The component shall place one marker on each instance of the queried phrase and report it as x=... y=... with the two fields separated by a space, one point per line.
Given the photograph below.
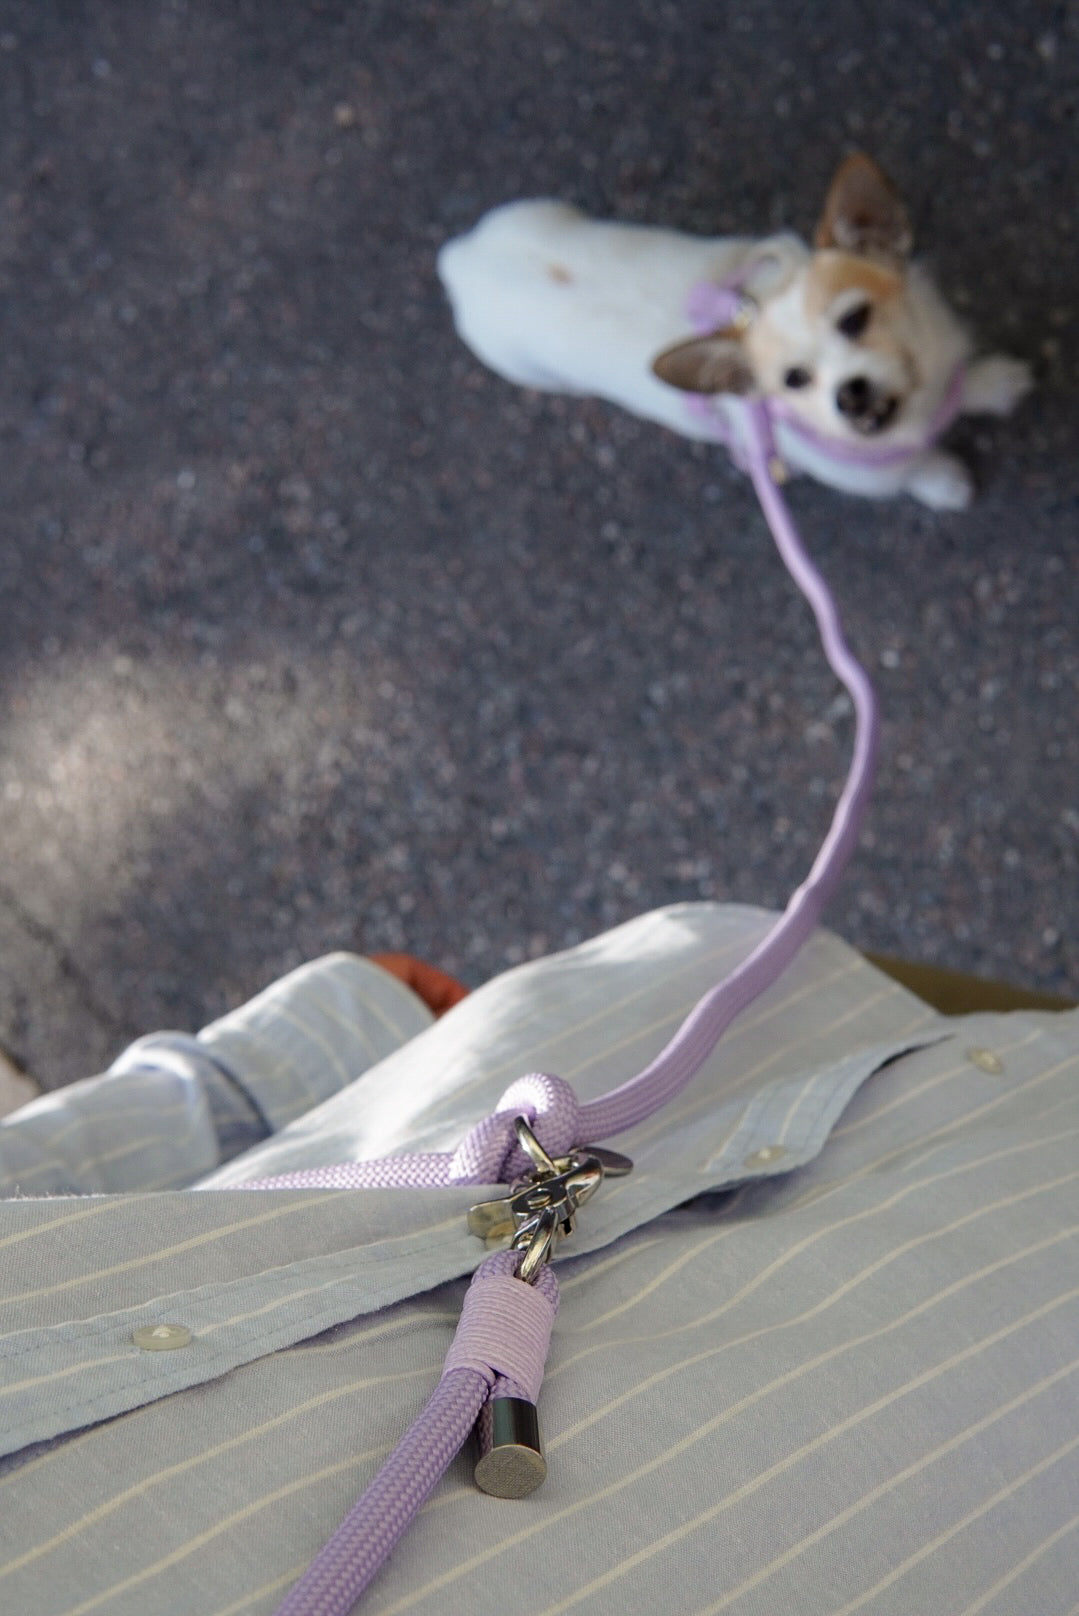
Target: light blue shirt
x=817 y=1353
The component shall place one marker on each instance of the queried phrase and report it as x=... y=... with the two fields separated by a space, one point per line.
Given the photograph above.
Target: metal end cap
x=511 y=1462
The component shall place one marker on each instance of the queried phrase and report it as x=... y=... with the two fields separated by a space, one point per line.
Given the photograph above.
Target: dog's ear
x=864 y=214
x=712 y=364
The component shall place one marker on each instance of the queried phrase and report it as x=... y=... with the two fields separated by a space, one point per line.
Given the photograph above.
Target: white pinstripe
x=872 y=1497
x=990 y=1503
x=551 y=1519
x=1017 y=1570
x=748 y=1488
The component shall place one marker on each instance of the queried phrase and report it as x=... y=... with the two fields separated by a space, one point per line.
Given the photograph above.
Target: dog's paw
x=994 y=386
x=941 y=482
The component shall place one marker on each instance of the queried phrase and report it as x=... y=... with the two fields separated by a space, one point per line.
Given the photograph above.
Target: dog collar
x=715 y=306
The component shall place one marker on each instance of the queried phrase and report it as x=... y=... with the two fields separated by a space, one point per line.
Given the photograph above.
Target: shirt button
x=985 y=1061
x=766 y=1154
x=161 y=1337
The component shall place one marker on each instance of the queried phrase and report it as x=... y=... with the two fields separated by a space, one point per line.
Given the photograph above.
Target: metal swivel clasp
x=539 y=1210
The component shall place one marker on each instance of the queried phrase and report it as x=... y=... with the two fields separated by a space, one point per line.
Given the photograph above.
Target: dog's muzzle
x=868 y=409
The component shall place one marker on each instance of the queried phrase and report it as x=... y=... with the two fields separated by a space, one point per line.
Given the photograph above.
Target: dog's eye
x=797 y=376
x=854 y=322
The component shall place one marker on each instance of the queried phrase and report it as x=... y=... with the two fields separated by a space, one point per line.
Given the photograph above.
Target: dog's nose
x=866 y=407
x=854 y=396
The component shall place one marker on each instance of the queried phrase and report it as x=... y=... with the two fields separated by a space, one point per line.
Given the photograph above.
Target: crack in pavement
x=66 y=967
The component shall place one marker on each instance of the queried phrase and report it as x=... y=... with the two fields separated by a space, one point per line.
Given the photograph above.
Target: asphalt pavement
x=316 y=635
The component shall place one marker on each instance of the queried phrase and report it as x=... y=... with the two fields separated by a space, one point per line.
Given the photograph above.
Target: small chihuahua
x=862 y=362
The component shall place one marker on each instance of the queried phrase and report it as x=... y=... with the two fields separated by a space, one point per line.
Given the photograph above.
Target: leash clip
x=541 y=1208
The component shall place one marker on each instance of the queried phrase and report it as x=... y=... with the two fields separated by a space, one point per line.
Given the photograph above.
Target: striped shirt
x=818 y=1353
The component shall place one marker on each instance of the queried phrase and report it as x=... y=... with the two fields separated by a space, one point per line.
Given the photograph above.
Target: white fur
x=551 y=299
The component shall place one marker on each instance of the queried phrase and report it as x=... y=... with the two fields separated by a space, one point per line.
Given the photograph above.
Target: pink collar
x=710 y=307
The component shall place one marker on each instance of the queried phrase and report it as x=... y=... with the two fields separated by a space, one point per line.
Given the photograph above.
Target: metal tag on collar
x=745 y=312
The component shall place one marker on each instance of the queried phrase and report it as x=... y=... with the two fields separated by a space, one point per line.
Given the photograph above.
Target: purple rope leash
x=488 y=1154
x=501 y=1329
x=344 y=1566
x=501 y=1343
x=675 y=1065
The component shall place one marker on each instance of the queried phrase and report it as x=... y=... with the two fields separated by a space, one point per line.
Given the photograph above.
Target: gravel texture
x=317 y=635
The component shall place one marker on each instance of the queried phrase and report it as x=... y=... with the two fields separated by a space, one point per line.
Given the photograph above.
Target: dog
x=862 y=363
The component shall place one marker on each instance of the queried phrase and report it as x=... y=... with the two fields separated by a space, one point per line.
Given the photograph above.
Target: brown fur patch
x=715 y=364
x=832 y=273
x=863 y=212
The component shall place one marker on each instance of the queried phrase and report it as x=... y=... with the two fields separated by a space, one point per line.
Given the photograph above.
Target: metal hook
x=533 y=1149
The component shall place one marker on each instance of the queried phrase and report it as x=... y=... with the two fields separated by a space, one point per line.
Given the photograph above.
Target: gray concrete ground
x=317 y=635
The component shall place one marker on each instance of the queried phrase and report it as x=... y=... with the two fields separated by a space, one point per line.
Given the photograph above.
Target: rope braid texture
x=483 y=1359
x=344 y=1567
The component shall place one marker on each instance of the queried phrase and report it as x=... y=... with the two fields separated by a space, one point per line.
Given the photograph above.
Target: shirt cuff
x=173 y=1107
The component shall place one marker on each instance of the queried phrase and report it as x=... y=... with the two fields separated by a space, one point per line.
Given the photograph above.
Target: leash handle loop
x=499 y=1337
x=500 y=1344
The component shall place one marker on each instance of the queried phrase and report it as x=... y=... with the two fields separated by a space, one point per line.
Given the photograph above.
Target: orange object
x=439 y=991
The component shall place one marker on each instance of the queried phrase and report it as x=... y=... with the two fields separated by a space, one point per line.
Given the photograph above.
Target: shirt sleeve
x=174 y=1107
